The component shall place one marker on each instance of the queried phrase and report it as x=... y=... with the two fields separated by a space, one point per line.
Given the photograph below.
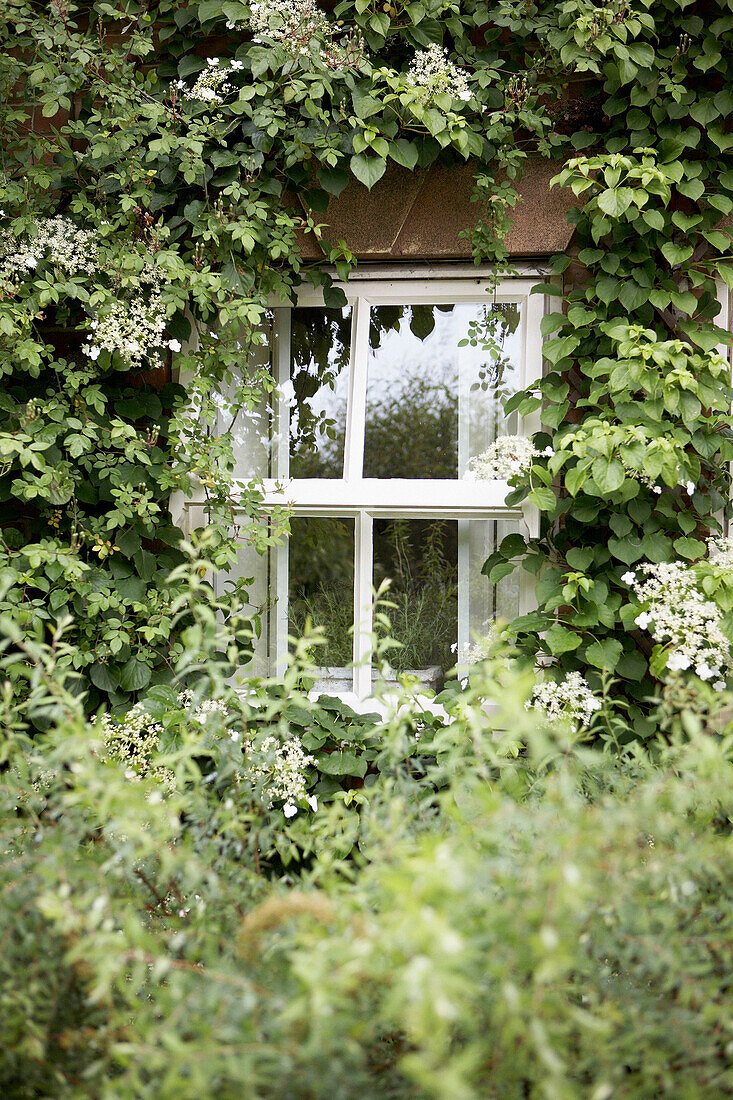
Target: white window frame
x=364 y=499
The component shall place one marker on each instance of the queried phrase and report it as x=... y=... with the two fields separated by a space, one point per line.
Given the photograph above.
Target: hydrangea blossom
x=204 y=709
x=131 y=327
x=212 y=84
x=58 y=240
x=282 y=766
x=295 y=24
x=432 y=73
x=570 y=700
x=678 y=615
x=133 y=740
x=509 y=456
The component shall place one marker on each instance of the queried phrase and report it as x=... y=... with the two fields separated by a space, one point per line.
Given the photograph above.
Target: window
x=383 y=404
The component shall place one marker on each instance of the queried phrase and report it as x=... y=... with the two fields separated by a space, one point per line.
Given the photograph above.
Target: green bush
x=467 y=913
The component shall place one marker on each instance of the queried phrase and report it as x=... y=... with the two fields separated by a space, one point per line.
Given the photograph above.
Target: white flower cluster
x=212 y=85
x=509 y=456
x=676 y=613
x=432 y=73
x=294 y=24
x=204 y=709
x=58 y=240
x=133 y=327
x=284 y=773
x=720 y=552
x=571 y=699
x=134 y=739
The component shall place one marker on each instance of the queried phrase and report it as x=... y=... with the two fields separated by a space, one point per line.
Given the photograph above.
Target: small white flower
x=629 y=577
x=312 y=802
x=690 y=486
x=94 y=352
x=174 y=345
x=465 y=95
x=289 y=809
x=231 y=26
x=642 y=620
x=235 y=735
x=677 y=662
x=704 y=671
x=548 y=452
x=719 y=685
x=236 y=65
x=656 y=489
x=211 y=61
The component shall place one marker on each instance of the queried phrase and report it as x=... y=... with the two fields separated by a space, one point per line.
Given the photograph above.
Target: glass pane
x=431 y=404
x=320 y=343
x=421 y=559
x=481 y=601
x=321 y=584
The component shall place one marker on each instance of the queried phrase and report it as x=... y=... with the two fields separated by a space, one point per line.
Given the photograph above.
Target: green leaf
x=368 y=170
x=615 y=201
x=676 y=254
x=689 y=548
x=609 y=475
x=561 y=640
x=342 y=763
x=604 y=655
x=403 y=152
x=333 y=180
x=134 y=675
x=103 y=678
x=543 y=498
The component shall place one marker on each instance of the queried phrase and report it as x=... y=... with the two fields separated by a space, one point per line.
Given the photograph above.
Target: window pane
x=321 y=584
x=481 y=601
x=320 y=343
x=432 y=405
x=421 y=559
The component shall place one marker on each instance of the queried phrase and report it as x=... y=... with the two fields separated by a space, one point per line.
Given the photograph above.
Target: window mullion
x=363 y=604
x=356 y=411
x=281 y=435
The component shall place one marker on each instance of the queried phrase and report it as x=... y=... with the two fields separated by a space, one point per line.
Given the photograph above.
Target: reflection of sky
x=403 y=358
x=438 y=357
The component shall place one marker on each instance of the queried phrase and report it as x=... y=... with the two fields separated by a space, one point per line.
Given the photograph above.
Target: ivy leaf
x=368 y=170
x=605 y=654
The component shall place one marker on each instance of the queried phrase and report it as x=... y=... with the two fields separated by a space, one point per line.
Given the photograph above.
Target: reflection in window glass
x=420 y=557
x=432 y=404
x=321 y=584
x=320 y=343
x=483 y=602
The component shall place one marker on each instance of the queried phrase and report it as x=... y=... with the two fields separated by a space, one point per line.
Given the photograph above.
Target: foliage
x=467 y=922
x=153 y=154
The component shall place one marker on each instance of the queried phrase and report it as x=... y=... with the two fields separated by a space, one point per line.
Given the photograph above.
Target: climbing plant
x=161 y=164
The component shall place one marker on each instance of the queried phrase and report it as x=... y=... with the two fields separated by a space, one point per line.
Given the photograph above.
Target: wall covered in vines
x=151 y=156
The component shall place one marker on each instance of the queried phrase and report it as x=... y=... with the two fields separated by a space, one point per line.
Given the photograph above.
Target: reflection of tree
x=420 y=558
x=320 y=343
x=321 y=582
